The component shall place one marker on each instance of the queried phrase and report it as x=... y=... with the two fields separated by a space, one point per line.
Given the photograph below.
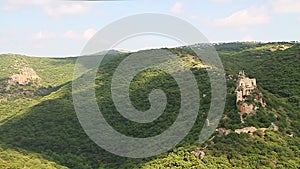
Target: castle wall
x=239 y=96
x=247 y=83
x=245 y=86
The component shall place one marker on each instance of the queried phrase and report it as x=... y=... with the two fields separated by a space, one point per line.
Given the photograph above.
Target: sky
x=62 y=28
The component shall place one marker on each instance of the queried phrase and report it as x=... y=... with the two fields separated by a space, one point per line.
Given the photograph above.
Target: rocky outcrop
x=249 y=130
x=26 y=76
x=274 y=127
x=223 y=131
x=23 y=81
x=199 y=153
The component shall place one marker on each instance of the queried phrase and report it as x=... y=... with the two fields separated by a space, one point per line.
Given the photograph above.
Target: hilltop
x=39 y=127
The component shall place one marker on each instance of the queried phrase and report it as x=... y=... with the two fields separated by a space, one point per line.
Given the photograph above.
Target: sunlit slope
x=44 y=130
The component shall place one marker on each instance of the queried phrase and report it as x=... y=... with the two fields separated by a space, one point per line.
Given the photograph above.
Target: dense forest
x=39 y=127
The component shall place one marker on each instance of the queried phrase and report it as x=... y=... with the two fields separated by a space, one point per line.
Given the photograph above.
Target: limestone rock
x=223 y=131
x=199 y=154
x=274 y=127
x=249 y=130
x=24 y=77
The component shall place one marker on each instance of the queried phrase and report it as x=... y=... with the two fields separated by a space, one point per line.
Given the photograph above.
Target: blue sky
x=62 y=28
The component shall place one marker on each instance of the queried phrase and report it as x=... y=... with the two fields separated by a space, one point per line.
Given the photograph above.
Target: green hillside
x=39 y=127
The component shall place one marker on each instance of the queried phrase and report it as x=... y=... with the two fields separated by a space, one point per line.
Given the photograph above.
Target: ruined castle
x=245 y=87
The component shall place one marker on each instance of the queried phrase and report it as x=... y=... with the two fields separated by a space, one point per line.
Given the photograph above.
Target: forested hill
x=39 y=127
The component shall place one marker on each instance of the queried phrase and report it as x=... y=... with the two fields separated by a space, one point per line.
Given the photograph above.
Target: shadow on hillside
x=61 y=61
x=51 y=129
x=3 y=81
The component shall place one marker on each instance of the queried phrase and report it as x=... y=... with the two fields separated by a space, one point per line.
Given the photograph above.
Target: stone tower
x=245 y=86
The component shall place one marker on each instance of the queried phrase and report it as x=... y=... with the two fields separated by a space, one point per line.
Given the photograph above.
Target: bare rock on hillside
x=26 y=75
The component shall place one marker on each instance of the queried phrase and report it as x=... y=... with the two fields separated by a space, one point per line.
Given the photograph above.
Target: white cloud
x=193 y=17
x=44 y=35
x=177 y=8
x=89 y=33
x=67 y=9
x=246 y=17
x=50 y=8
x=285 y=6
x=28 y=2
x=222 y=1
x=72 y=35
x=16 y=4
x=86 y=35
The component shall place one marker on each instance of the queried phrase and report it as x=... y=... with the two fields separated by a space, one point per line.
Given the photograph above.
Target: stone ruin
x=245 y=87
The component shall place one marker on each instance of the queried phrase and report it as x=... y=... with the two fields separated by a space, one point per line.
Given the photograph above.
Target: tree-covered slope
x=42 y=130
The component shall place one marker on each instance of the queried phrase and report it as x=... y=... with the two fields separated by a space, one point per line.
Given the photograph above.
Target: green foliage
x=43 y=131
